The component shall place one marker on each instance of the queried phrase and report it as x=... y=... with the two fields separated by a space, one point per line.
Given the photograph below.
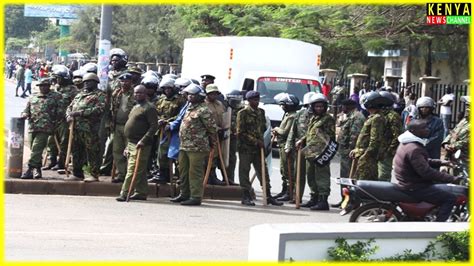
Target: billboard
x=53 y=11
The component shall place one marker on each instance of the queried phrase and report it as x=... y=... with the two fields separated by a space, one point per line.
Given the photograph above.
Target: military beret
x=125 y=76
x=211 y=88
x=135 y=69
x=207 y=76
x=252 y=94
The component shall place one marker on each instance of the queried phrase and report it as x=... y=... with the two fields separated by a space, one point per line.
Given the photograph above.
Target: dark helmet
x=120 y=53
x=90 y=68
x=234 y=98
x=289 y=100
x=389 y=96
x=373 y=99
x=90 y=76
x=61 y=71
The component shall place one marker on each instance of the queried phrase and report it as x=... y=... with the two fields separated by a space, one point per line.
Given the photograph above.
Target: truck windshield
x=271 y=86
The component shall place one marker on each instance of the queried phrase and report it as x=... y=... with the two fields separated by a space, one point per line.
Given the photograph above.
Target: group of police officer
x=143 y=124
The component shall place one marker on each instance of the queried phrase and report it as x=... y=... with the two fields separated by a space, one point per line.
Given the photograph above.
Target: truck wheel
x=375 y=212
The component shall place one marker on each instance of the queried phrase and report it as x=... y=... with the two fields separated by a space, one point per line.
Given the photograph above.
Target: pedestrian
x=458 y=139
x=393 y=129
x=319 y=148
x=251 y=125
x=217 y=109
x=445 y=109
x=43 y=111
x=168 y=106
x=20 y=78
x=290 y=104
x=197 y=135
x=63 y=78
x=368 y=145
x=43 y=71
x=28 y=81
x=122 y=103
x=426 y=107
x=297 y=132
x=86 y=110
x=141 y=125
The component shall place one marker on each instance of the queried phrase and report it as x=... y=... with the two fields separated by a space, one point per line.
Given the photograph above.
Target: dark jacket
x=412 y=167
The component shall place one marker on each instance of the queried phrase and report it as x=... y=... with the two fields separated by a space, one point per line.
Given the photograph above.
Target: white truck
x=265 y=64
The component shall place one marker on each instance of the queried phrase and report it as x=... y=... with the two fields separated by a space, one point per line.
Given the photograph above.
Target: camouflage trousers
x=141 y=184
x=86 y=149
x=119 y=145
x=163 y=160
x=246 y=159
x=366 y=168
x=385 y=168
x=346 y=163
x=191 y=171
x=62 y=136
x=38 y=141
x=319 y=179
x=286 y=161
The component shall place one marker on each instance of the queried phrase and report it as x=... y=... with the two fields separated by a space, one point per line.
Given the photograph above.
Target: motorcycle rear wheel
x=375 y=212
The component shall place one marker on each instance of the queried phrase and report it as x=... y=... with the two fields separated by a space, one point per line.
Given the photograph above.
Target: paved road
x=70 y=228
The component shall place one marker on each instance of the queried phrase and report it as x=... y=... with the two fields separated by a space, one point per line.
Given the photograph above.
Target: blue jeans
x=446 y=124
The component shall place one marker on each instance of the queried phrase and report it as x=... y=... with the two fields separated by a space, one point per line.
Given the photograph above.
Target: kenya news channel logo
x=448 y=13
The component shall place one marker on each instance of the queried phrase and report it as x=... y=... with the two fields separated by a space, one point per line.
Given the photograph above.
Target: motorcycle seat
x=384 y=191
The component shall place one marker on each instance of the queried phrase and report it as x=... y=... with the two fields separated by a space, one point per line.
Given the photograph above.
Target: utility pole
x=104 y=45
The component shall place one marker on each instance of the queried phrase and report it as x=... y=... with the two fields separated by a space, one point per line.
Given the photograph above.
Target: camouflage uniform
x=86 y=129
x=393 y=129
x=282 y=133
x=347 y=138
x=336 y=95
x=141 y=126
x=168 y=109
x=217 y=109
x=119 y=116
x=459 y=140
x=44 y=113
x=196 y=130
x=368 y=147
x=251 y=125
x=297 y=132
x=233 y=144
x=68 y=92
x=320 y=130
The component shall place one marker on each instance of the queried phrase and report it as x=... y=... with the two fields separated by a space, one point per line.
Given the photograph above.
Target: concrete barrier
x=310 y=241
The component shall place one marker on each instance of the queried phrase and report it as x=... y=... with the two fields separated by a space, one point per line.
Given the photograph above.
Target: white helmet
x=307 y=97
x=318 y=97
x=167 y=82
x=425 y=102
x=182 y=82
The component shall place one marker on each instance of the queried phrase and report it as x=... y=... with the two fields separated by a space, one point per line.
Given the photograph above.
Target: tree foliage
x=19 y=26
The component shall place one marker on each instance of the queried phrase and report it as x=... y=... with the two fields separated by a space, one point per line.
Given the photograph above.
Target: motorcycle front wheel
x=375 y=213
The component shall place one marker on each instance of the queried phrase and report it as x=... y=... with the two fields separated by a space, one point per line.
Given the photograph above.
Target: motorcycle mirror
x=457 y=154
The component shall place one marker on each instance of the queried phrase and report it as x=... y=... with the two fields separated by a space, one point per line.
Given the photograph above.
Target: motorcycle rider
x=413 y=170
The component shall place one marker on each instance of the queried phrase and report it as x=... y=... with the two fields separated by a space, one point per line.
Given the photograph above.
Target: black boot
x=322 y=204
x=28 y=174
x=59 y=165
x=285 y=197
x=37 y=173
x=273 y=201
x=284 y=190
x=164 y=176
x=213 y=180
x=52 y=163
x=247 y=199
x=310 y=203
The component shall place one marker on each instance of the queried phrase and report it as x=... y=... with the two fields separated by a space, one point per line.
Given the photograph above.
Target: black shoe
x=191 y=202
x=337 y=205
x=320 y=206
x=78 y=174
x=104 y=172
x=310 y=203
x=28 y=174
x=247 y=201
x=285 y=197
x=121 y=198
x=179 y=198
x=137 y=196
x=284 y=190
x=154 y=179
x=52 y=163
x=37 y=173
x=23 y=96
x=274 y=202
x=232 y=183
x=59 y=166
x=116 y=181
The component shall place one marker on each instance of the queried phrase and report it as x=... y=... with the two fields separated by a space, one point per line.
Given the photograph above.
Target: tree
x=19 y=26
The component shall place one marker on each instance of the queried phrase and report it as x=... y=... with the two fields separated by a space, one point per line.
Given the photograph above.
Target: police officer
x=151 y=83
x=139 y=130
x=234 y=101
x=197 y=135
x=68 y=91
x=206 y=80
x=290 y=104
x=297 y=132
x=426 y=107
x=368 y=146
x=251 y=125
x=122 y=102
x=44 y=112
x=458 y=138
x=86 y=110
x=168 y=107
x=118 y=63
x=320 y=133
x=393 y=129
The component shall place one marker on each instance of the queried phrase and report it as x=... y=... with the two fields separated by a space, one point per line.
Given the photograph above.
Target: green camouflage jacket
x=320 y=131
x=168 y=108
x=298 y=128
x=92 y=106
x=393 y=129
x=197 y=128
x=44 y=112
x=350 y=129
x=459 y=139
x=285 y=126
x=371 y=137
x=251 y=125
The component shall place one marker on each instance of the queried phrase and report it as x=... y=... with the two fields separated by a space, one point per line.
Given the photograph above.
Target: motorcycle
x=380 y=201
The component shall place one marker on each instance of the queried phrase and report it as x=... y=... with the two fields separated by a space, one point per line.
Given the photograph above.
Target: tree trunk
x=408 y=71
x=429 y=59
